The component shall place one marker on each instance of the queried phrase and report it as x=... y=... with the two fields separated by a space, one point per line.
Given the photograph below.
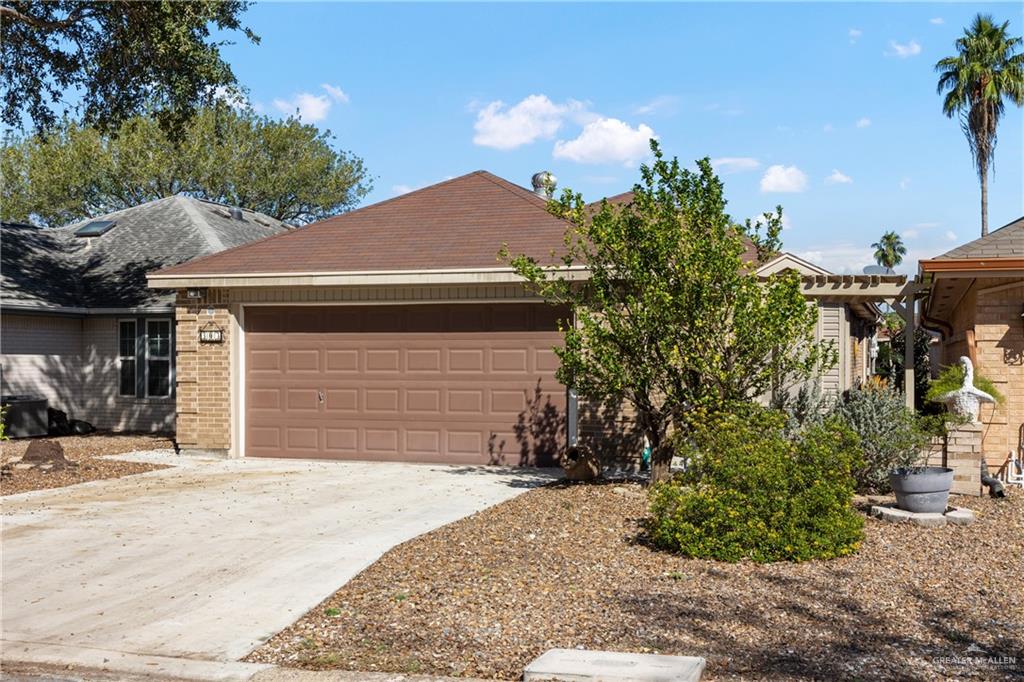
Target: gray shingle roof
x=52 y=268
x=1006 y=242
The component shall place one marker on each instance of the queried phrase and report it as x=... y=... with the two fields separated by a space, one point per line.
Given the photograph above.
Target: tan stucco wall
x=993 y=311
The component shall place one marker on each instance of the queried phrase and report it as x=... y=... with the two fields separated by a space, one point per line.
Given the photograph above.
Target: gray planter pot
x=922 y=490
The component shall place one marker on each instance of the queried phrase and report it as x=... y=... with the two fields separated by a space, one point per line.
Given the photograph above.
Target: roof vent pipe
x=544 y=184
x=236 y=213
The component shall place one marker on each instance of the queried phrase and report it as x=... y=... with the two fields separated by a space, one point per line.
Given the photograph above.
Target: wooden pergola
x=895 y=290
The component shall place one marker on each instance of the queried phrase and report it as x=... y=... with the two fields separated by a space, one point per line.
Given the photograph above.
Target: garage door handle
x=320 y=396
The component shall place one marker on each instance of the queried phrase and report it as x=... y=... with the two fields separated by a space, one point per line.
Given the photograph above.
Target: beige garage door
x=459 y=383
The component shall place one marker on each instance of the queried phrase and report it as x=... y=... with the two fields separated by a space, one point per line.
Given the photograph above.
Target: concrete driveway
x=210 y=558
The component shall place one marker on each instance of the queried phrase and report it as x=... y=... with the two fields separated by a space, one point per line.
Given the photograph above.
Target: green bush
x=952 y=377
x=750 y=492
x=891 y=436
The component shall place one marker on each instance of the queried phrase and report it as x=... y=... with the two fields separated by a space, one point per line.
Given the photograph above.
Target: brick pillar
x=203 y=376
x=963 y=456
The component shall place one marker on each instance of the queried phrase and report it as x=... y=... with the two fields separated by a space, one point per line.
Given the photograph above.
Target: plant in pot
x=925 y=489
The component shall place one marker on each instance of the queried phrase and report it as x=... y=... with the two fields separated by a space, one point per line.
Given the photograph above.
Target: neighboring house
x=394 y=332
x=78 y=324
x=976 y=304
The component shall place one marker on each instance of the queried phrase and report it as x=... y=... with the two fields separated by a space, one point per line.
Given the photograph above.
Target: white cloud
x=950 y=235
x=838 y=178
x=231 y=96
x=904 y=183
x=662 y=104
x=903 y=50
x=779 y=178
x=336 y=93
x=402 y=189
x=863 y=122
x=311 y=108
x=827 y=128
x=938 y=21
x=855 y=34
x=911 y=233
x=500 y=126
x=607 y=140
x=787 y=223
x=735 y=164
x=842 y=258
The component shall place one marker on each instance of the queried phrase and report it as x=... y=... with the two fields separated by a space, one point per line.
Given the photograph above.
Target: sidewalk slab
x=580 y=665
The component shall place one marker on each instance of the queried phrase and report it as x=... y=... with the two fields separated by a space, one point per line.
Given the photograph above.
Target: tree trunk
x=984 y=203
x=661 y=463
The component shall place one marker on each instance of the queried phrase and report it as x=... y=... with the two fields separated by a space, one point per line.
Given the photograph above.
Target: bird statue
x=966 y=401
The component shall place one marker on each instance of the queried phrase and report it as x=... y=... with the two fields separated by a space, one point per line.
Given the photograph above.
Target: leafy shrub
x=952 y=377
x=890 y=434
x=752 y=493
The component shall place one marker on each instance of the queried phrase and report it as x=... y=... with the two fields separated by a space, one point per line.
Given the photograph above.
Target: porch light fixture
x=195 y=293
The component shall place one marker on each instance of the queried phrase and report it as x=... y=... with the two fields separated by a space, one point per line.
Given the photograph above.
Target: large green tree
x=286 y=169
x=986 y=71
x=672 y=319
x=110 y=60
x=889 y=250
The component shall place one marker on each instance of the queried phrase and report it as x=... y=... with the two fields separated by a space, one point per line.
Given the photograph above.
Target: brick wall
x=203 y=375
x=993 y=311
x=961 y=450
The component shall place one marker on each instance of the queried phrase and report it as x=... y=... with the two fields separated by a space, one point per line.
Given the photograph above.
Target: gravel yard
x=561 y=566
x=88 y=452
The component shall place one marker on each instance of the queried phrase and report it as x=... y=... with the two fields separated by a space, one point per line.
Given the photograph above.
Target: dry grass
x=561 y=567
x=87 y=452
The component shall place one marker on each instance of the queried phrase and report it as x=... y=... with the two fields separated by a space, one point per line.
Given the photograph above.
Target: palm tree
x=985 y=71
x=889 y=250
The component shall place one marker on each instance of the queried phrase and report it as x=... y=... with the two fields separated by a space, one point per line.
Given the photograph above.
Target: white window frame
x=169 y=357
x=134 y=356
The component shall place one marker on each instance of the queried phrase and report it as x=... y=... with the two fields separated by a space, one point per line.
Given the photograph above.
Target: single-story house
x=79 y=325
x=976 y=304
x=393 y=332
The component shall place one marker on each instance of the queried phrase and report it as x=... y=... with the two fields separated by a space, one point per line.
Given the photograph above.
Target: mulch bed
x=84 y=451
x=562 y=566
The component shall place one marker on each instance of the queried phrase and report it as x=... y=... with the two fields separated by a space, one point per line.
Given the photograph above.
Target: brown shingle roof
x=1006 y=242
x=460 y=223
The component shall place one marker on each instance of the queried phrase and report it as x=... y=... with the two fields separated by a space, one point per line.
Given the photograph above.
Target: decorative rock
x=960 y=516
x=891 y=514
x=581 y=464
x=577 y=665
x=927 y=520
x=955 y=515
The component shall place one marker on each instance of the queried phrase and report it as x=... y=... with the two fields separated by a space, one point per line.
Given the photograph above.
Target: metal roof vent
x=236 y=213
x=544 y=184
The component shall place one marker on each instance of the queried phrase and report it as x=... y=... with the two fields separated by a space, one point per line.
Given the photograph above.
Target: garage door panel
x=433 y=383
x=339 y=402
x=383 y=360
x=342 y=440
x=423 y=402
x=377 y=440
x=342 y=360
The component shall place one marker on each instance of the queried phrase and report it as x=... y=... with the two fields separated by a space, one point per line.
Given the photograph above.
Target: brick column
x=963 y=456
x=203 y=376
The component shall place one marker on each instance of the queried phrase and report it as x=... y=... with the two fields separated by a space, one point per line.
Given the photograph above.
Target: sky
x=827 y=109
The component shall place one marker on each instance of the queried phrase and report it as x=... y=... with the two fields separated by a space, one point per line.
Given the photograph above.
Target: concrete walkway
x=209 y=559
